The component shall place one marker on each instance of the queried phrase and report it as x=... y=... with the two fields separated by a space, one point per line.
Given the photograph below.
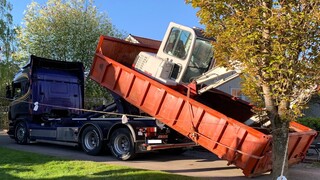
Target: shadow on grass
x=25 y=165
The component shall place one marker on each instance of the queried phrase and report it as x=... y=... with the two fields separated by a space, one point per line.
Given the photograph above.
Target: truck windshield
x=200 y=61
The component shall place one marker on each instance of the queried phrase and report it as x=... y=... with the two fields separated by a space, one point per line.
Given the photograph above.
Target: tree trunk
x=279 y=148
x=280 y=132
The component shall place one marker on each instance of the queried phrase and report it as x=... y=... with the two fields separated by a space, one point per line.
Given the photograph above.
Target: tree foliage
x=277 y=45
x=7 y=45
x=277 y=42
x=7 y=33
x=66 y=30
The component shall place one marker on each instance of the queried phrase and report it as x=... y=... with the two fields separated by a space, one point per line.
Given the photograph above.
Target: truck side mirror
x=8 y=92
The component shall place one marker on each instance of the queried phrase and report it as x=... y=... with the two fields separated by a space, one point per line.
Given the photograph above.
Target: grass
x=25 y=165
x=316 y=164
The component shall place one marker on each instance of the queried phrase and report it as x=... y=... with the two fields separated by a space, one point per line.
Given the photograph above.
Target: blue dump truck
x=47 y=106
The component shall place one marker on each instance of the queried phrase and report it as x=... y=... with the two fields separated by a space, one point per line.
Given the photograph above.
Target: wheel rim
x=122 y=144
x=91 y=140
x=21 y=133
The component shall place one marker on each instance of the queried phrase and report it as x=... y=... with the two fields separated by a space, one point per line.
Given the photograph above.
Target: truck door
x=20 y=94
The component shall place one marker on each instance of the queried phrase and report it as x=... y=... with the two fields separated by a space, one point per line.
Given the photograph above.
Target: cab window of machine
x=200 y=62
x=20 y=88
x=178 y=43
x=202 y=54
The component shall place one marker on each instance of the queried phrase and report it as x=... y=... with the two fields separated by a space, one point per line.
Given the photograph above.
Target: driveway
x=191 y=163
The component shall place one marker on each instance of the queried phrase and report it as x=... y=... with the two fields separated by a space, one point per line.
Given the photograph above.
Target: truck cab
x=184 y=54
x=45 y=89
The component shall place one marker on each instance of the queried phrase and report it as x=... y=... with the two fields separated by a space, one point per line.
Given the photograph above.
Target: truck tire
x=91 y=141
x=121 y=144
x=21 y=133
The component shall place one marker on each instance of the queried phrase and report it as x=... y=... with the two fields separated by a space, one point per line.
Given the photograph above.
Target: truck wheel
x=121 y=144
x=91 y=141
x=21 y=133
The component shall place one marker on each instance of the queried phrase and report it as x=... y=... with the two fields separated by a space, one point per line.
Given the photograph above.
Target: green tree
x=7 y=45
x=7 y=32
x=277 y=45
x=65 y=30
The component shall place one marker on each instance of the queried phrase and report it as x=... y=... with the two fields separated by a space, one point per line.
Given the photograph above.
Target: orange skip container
x=215 y=121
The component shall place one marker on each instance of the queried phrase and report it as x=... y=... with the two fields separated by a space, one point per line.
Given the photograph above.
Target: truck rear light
x=141 y=132
x=151 y=131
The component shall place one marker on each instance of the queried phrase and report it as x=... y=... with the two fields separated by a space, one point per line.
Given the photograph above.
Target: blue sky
x=145 y=18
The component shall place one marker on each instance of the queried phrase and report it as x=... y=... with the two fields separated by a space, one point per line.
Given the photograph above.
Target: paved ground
x=191 y=163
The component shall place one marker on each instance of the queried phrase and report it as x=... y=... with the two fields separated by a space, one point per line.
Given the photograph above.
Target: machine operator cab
x=184 y=55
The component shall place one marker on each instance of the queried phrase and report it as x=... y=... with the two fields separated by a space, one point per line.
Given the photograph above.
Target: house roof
x=145 y=41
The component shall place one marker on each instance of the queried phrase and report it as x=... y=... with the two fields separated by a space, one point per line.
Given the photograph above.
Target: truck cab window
x=16 y=90
x=20 y=88
x=178 y=43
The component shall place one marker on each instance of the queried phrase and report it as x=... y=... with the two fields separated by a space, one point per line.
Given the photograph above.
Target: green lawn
x=24 y=165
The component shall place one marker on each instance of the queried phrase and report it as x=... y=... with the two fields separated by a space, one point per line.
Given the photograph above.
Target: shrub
x=311 y=122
